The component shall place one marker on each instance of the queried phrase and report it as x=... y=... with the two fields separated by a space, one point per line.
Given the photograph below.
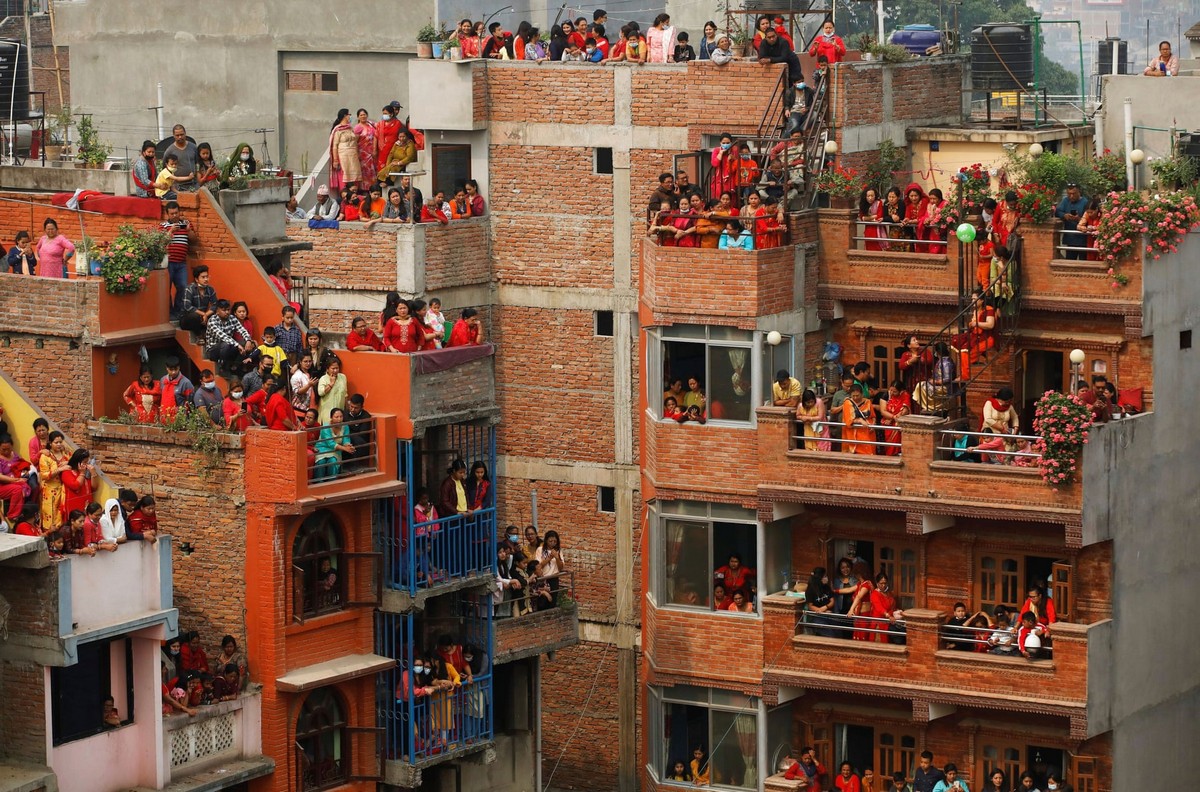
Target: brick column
x=780 y=615
x=922 y=626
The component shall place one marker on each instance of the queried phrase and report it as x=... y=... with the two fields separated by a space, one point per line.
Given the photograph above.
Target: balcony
x=915 y=480
x=520 y=635
x=922 y=665
x=222 y=741
x=679 y=284
x=849 y=271
x=83 y=598
x=279 y=469
x=702 y=644
x=426 y=389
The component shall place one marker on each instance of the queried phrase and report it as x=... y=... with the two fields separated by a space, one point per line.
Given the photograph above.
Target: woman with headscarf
x=344 y=165
x=241 y=163
x=112 y=522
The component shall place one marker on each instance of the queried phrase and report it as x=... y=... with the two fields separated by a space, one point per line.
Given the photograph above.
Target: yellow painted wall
x=953 y=155
x=20 y=412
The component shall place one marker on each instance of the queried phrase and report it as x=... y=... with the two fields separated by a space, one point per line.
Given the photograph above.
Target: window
x=607 y=499
x=1185 y=339
x=604 y=323
x=885 y=364
x=318 y=585
x=723 y=724
x=895 y=751
x=695 y=549
x=898 y=560
x=320 y=82
x=322 y=747
x=1003 y=757
x=1004 y=580
x=716 y=360
x=602 y=160
x=105 y=668
x=451 y=167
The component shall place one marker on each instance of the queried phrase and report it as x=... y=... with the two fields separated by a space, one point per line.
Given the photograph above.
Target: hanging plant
x=1061 y=422
x=1133 y=219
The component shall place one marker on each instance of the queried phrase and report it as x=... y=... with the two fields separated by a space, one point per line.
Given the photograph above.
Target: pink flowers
x=1157 y=223
x=1062 y=421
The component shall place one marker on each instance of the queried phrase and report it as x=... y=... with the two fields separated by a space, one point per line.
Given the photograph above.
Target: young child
x=683 y=50
x=112 y=718
x=1003 y=636
x=671 y=409
x=22 y=260
x=164 y=185
x=1030 y=629
x=734 y=237
x=693 y=414
x=436 y=321
x=270 y=347
x=573 y=54
x=208 y=694
x=679 y=773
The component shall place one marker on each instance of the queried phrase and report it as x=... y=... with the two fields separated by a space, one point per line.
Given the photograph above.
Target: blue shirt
x=1066 y=206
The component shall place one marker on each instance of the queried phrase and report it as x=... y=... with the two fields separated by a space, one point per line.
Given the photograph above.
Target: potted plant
x=58 y=129
x=130 y=258
x=842 y=185
x=741 y=42
x=865 y=42
x=92 y=150
x=426 y=37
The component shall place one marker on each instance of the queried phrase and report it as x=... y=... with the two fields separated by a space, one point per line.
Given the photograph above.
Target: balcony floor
x=223 y=776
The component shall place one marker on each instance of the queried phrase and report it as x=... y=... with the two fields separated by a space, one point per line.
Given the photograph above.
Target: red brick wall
x=23 y=727
x=558 y=94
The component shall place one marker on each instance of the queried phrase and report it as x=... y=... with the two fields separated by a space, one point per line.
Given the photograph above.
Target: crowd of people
x=191 y=680
x=581 y=40
x=443 y=684
x=926 y=777
x=529 y=572
x=186 y=166
x=49 y=494
x=405 y=204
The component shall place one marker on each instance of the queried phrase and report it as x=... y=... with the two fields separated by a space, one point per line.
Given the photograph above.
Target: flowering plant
x=976 y=185
x=1110 y=167
x=125 y=267
x=1035 y=202
x=944 y=218
x=1130 y=219
x=1061 y=420
x=840 y=182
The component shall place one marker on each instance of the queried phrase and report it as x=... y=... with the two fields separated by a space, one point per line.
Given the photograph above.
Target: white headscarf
x=112 y=531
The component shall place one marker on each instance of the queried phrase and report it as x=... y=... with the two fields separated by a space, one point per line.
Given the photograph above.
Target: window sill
x=1016 y=663
x=708 y=611
x=711 y=422
x=322 y=621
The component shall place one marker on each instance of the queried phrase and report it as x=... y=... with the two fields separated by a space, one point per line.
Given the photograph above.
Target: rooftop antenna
x=266 y=151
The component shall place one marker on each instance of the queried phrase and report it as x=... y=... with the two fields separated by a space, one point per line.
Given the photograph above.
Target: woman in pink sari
x=870 y=212
x=368 y=148
x=344 y=166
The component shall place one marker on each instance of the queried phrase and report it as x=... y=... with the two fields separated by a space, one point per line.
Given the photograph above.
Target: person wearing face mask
x=234 y=410
x=828 y=44
x=1054 y=783
x=387 y=130
x=818 y=603
x=797 y=99
x=724 y=162
x=208 y=396
x=173 y=660
x=144 y=171
x=241 y=163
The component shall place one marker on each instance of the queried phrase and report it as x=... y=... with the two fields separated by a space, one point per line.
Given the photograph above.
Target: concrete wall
x=1156 y=103
x=221 y=65
x=1153 y=686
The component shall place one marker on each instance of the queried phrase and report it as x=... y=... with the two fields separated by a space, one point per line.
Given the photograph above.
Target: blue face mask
x=726 y=146
x=513 y=538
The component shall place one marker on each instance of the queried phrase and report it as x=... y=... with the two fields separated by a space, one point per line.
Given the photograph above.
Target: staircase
x=985 y=370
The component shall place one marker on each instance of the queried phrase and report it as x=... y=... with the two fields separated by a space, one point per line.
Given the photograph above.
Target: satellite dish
x=160 y=148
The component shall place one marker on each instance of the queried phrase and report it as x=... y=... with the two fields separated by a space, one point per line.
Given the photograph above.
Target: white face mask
x=245 y=157
x=418 y=669
x=235 y=395
x=209 y=385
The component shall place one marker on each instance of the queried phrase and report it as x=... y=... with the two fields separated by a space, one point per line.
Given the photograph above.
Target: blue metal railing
x=422 y=718
x=419 y=556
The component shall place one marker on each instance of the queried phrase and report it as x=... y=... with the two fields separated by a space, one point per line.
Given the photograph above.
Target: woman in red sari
x=77 y=480
x=877 y=603
x=860 y=603
x=914 y=212
x=927 y=228
x=898 y=403
x=403 y=333
x=387 y=129
x=144 y=396
x=769 y=227
x=870 y=212
x=725 y=169
x=684 y=221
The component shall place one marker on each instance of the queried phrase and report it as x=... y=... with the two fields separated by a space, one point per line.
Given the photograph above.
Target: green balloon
x=965 y=233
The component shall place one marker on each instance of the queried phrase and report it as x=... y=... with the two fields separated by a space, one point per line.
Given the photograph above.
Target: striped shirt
x=177 y=248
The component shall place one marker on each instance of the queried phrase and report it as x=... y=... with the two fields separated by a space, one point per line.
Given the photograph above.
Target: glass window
x=703 y=563
x=725 y=729
x=104 y=670
x=318 y=580
x=712 y=370
x=322 y=746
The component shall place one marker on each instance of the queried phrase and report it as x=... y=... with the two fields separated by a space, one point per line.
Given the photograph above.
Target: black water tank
x=14 y=80
x=1104 y=58
x=1001 y=57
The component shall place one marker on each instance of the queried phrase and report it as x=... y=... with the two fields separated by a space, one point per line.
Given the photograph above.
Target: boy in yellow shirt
x=164 y=185
x=269 y=347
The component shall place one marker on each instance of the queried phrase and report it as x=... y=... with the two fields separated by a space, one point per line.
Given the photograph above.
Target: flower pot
x=456 y=53
x=53 y=153
x=840 y=202
x=437 y=48
x=424 y=49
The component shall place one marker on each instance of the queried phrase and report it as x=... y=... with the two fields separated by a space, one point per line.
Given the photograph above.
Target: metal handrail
x=1008 y=438
x=326 y=466
x=565 y=584
x=844 y=622
x=876 y=443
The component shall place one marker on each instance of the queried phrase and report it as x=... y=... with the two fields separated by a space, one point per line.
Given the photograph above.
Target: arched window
x=318 y=577
x=322 y=744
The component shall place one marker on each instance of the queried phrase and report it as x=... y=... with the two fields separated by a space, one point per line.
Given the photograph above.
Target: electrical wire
x=582 y=714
